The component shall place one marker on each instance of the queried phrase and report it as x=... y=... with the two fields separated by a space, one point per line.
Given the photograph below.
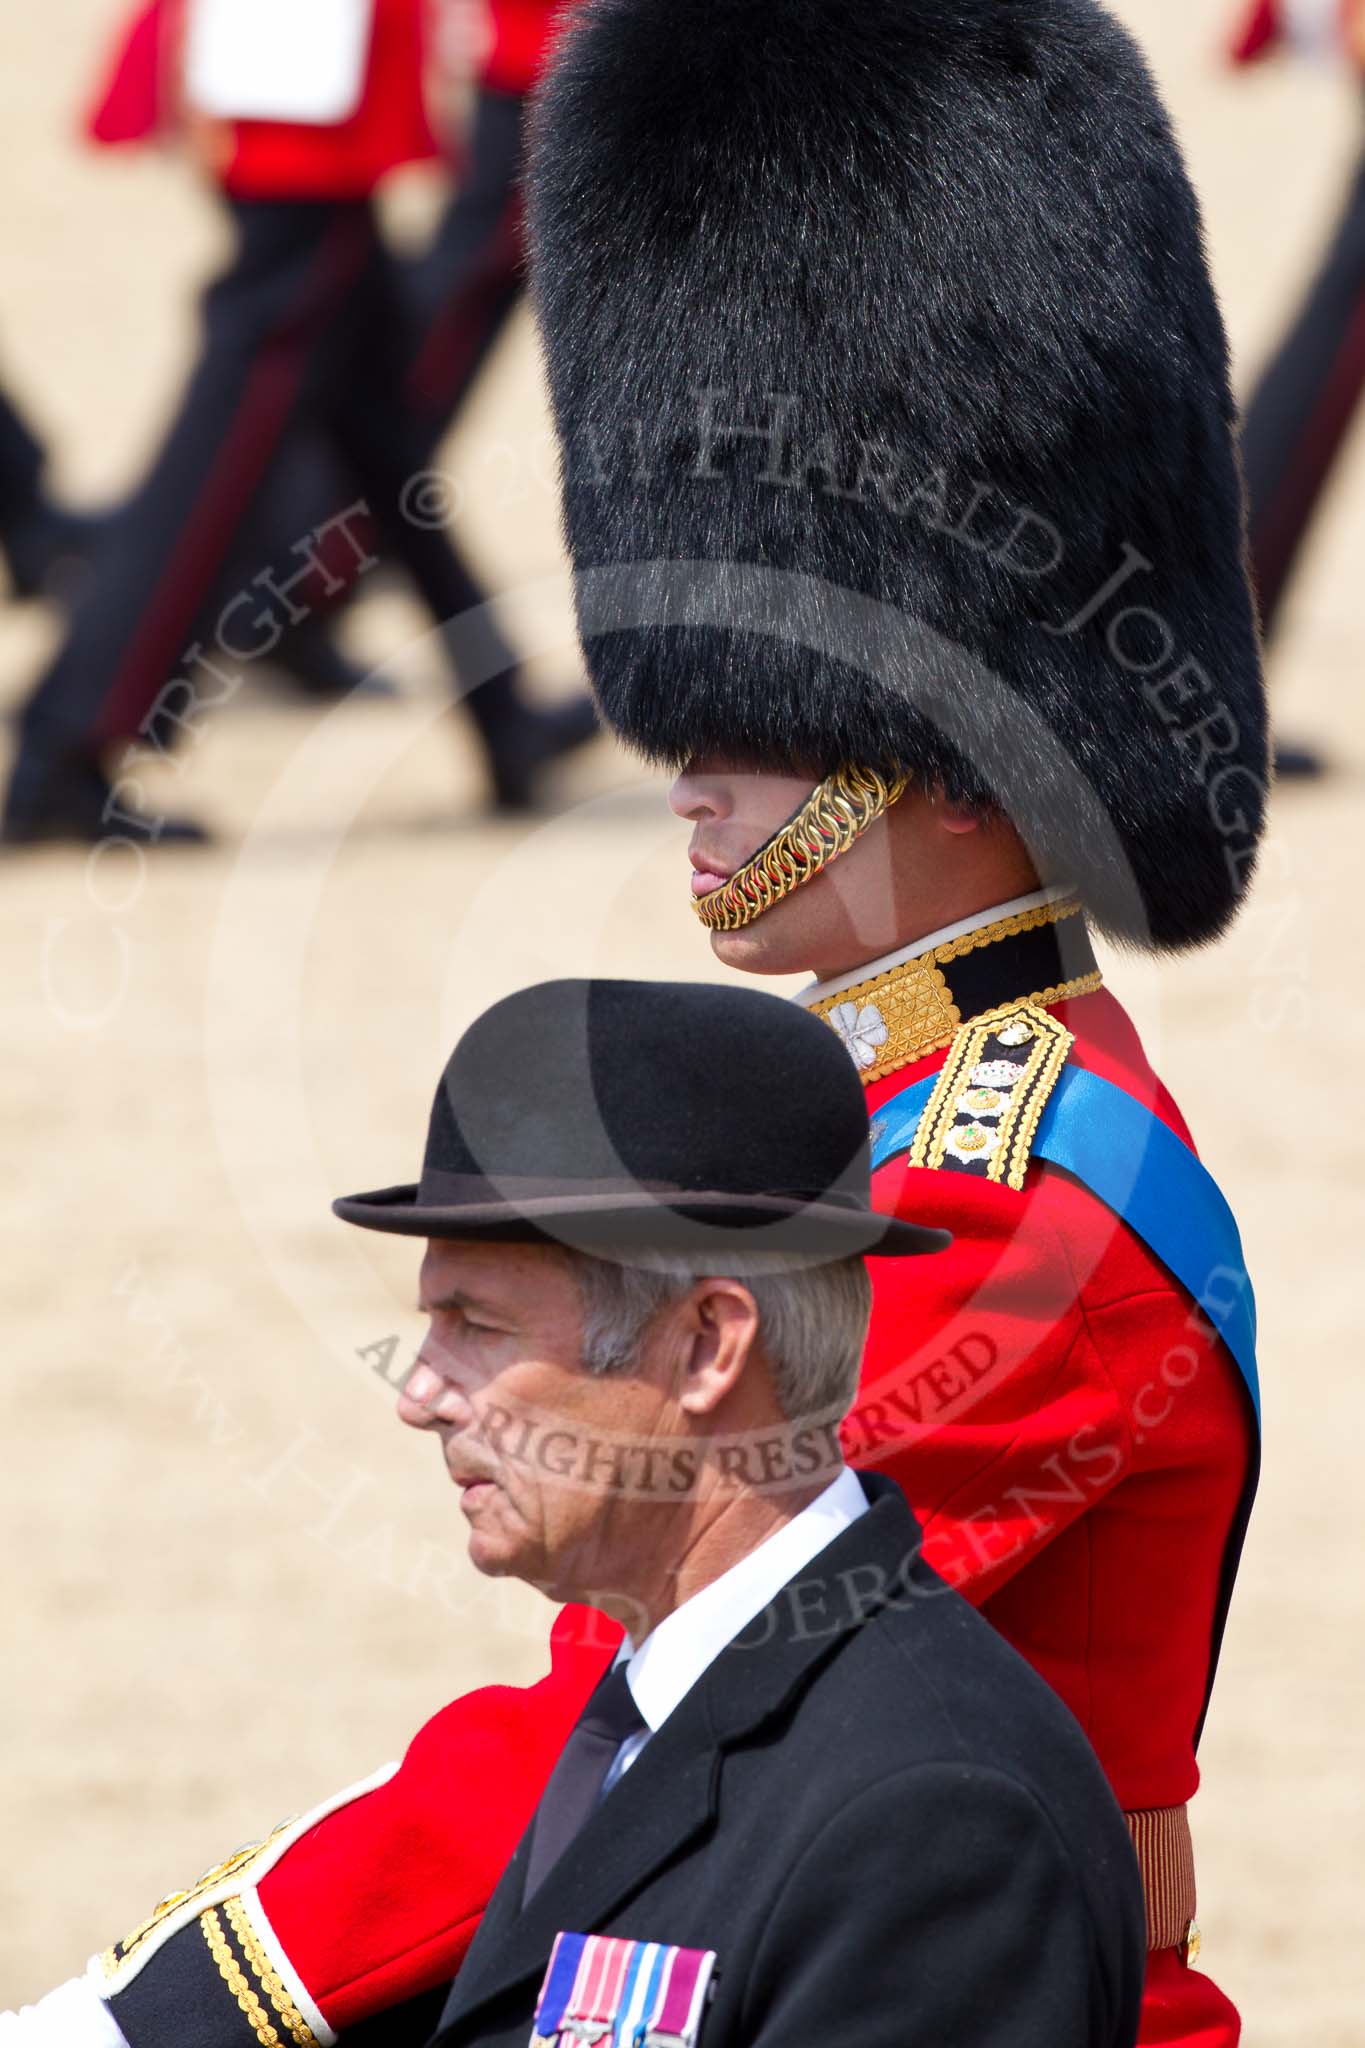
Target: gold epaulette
x=221 y=1902
x=983 y=1114
x=176 y=1909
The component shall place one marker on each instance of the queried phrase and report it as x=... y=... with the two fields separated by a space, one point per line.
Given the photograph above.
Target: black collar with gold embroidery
x=888 y=1019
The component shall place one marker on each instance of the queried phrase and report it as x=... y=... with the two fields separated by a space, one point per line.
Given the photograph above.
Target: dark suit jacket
x=889 y=1829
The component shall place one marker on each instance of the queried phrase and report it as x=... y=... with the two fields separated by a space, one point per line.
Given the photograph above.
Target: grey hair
x=812 y=1318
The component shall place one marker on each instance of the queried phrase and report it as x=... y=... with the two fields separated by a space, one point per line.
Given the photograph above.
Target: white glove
x=72 y=2016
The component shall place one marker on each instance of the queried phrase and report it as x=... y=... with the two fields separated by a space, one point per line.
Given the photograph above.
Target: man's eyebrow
x=452 y=1297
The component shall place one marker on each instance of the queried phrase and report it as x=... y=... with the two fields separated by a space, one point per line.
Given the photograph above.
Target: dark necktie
x=609 y=1719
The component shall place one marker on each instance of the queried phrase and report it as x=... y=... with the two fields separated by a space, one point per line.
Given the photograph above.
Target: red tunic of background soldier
x=470 y=69
x=271 y=159
x=994 y=356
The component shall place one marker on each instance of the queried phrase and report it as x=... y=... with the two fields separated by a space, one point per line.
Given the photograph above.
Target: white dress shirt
x=673 y=1656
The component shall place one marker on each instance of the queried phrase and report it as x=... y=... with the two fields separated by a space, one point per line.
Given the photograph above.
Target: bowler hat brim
x=644 y=1220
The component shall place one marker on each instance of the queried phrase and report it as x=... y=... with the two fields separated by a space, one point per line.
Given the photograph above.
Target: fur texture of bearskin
x=895 y=426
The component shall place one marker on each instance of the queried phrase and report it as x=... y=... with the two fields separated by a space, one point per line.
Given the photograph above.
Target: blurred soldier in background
x=305 y=325
x=458 y=293
x=1299 y=414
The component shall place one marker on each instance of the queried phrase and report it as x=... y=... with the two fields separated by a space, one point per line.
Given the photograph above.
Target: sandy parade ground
x=230 y=1582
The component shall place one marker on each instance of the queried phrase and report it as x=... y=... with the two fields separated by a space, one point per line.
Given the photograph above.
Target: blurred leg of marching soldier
x=457 y=294
x=472 y=273
x=466 y=282
x=1298 y=416
x=302 y=328
x=36 y=536
x=301 y=310
x=1302 y=406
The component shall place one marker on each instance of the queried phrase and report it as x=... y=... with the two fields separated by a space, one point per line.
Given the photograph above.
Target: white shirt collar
x=674 y=1655
x=818 y=990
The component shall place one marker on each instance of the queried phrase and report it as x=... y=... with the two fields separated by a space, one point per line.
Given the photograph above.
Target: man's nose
x=697 y=797
x=427 y=1398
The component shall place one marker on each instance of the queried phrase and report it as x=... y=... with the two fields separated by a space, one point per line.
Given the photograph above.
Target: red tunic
x=1257 y=29
x=137 y=100
x=1075 y=1442
x=523 y=31
x=389 y=128
x=1260 y=28
x=1072 y=1437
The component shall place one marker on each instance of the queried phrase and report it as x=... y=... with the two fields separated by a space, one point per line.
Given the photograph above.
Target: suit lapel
x=492 y=1939
x=661 y=1804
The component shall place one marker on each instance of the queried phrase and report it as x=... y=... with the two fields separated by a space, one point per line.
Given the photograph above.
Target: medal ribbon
x=622 y=1994
x=597 y=1995
x=677 y=2015
x=560 y=1979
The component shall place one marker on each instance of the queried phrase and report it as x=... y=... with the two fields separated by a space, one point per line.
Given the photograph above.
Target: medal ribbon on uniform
x=622 y=1994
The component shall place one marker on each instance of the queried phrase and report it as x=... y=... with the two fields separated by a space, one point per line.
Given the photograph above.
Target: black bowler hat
x=614 y=1116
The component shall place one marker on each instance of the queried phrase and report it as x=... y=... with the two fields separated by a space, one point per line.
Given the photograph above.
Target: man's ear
x=720 y=1329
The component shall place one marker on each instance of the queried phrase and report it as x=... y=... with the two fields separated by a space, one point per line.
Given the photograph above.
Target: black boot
x=527 y=740
x=310 y=662
x=73 y=800
x=47 y=550
x=1298 y=764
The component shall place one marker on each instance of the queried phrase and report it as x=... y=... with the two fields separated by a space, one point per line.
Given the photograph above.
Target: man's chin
x=493 y=1559
x=756 y=951
x=497 y=1552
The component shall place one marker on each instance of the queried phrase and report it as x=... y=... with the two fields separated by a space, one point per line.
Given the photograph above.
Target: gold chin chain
x=837 y=811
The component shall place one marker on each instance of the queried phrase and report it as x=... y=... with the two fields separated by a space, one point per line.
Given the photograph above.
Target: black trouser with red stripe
x=1298 y=416
x=306 y=327
x=457 y=295
x=466 y=282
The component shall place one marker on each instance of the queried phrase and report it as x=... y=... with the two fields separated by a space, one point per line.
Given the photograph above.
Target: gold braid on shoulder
x=837 y=811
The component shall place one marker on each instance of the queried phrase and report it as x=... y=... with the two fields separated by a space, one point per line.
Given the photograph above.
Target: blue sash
x=1138 y=1167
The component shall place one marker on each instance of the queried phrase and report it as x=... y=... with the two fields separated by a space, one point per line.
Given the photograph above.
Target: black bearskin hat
x=894 y=416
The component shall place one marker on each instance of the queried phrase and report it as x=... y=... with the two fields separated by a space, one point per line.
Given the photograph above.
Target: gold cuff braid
x=835 y=813
x=249 y=1975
